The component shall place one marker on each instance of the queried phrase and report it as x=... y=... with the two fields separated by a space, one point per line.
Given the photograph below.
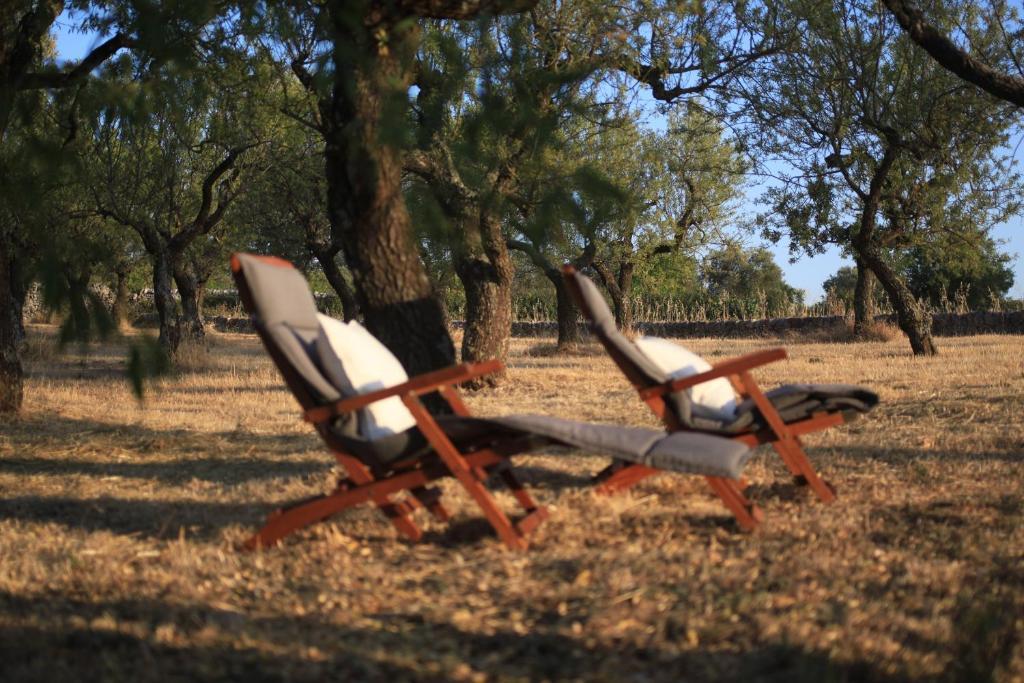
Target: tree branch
x=64 y=79
x=951 y=57
x=464 y=9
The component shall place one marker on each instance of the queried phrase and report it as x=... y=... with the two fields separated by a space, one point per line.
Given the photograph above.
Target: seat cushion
x=356 y=363
x=689 y=452
x=677 y=361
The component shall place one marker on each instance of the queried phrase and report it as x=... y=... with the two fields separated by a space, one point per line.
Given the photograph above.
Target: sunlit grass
x=119 y=523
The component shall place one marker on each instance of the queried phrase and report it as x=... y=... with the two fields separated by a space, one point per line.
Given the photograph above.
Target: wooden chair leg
x=430 y=498
x=399 y=514
x=615 y=466
x=625 y=478
x=288 y=520
x=786 y=443
x=507 y=532
x=791 y=450
x=748 y=515
x=522 y=496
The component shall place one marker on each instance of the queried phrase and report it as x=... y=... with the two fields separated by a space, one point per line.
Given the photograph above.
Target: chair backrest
x=635 y=365
x=283 y=312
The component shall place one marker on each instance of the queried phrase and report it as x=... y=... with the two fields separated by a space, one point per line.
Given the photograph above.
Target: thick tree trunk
x=863 y=299
x=191 y=325
x=119 y=309
x=349 y=305
x=163 y=299
x=12 y=331
x=365 y=203
x=568 y=315
x=485 y=269
x=914 y=319
x=488 y=309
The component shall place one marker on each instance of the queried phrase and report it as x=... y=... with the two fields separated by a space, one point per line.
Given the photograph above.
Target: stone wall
x=944 y=325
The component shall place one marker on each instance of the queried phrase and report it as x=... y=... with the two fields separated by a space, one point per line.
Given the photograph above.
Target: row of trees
x=395 y=145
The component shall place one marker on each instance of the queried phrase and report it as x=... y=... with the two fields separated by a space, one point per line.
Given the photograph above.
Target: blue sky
x=806 y=273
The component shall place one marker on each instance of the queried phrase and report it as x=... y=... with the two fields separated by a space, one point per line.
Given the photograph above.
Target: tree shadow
x=148 y=518
x=213 y=470
x=902 y=456
x=28 y=433
x=57 y=638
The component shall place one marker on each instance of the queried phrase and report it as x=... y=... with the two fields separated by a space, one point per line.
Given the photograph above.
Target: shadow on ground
x=47 y=638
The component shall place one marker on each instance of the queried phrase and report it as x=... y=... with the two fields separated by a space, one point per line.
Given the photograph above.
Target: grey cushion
x=298 y=347
x=697 y=453
x=689 y=452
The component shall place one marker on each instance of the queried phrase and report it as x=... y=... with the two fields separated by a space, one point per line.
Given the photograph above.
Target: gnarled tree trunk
x=190 y=290
x=163 y=300
x=78 y=290
x=914 y=318
x=568 y=314
x=349 y=305
x=119 y=309
x=620 y=289
x=485 y=269
x=863 y=299
x=365 y=203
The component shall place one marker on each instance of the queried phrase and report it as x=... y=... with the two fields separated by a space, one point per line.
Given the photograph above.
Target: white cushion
x=356 y=363
x=677 y=361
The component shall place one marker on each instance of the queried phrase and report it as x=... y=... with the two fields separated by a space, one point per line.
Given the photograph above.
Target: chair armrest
x=421 y=384
x=724 y=369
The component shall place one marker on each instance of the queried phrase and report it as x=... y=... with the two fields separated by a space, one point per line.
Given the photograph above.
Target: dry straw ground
x=119 y=522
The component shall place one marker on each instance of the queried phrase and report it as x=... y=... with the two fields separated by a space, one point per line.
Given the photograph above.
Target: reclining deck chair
x=777 y=417
x=393 y=471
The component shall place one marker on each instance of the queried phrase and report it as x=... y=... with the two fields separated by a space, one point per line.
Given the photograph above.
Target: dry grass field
x=119 y=523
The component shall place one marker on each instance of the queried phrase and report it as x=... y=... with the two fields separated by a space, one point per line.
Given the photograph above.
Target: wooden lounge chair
x=394 y=472
x=777 y=417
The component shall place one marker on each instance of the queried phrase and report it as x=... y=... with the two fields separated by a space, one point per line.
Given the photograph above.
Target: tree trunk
x=863 y=299
x=568 y=314
x=12 y=331
x=78 y=301
x=625 y=311
x=363 y=158
x=488 y=310
x=163 y=299
x=619 y=288
x=119 y=310
x=913 y=318
x=190 y=289
x=349 y=305
x=485 y=269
